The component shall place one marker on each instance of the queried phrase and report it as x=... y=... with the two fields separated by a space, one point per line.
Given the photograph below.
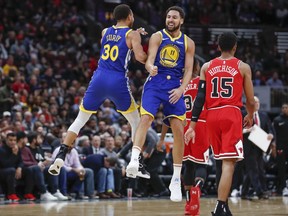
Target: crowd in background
x=47 y=60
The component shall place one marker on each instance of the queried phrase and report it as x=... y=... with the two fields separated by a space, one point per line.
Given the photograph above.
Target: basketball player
x=196 y=154
x=221 y=85
x=170 y=59
x=109 y=80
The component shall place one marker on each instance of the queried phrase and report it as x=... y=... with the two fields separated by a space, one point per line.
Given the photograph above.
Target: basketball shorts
x=108 y=85
x=156 y=92
x=198 y=151
x=224 y=127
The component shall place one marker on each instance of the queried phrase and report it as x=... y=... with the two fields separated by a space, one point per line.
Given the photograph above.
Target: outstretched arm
x=136 y=46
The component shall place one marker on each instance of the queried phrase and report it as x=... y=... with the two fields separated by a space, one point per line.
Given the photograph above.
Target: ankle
x=220 y=206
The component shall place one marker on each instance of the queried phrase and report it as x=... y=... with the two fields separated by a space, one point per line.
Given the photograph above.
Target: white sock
x=176 y=171
x=135 y=153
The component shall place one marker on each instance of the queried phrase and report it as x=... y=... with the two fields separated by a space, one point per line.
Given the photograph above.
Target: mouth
x=170 y=25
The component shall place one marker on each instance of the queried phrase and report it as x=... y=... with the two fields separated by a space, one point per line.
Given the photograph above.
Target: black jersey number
x=188 y=102
x=224 y=90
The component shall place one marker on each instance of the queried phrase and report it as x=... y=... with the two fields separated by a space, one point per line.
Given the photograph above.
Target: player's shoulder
x=244 y=68
x=189 y=40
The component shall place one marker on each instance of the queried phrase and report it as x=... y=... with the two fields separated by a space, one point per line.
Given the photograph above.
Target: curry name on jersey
x=115 y=54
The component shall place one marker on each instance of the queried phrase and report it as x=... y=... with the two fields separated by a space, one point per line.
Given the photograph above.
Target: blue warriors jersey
x=109 y=80
x=170 y=58
x=114 y=53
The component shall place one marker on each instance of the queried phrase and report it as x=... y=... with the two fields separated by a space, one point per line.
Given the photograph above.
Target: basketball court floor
x=141 y=207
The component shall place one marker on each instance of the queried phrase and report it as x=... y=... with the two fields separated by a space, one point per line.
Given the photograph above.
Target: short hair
x=11 y=134
x=21 y=135
x=176 y=8
x=227 y=41
x=31 y=136
x=121 y=12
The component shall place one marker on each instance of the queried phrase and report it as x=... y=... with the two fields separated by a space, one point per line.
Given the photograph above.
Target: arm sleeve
x=199 y=101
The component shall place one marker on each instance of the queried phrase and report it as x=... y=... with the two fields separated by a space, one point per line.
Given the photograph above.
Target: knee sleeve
x=79 y=122
x=133 y=118
x=201 y=172
x=189 y=173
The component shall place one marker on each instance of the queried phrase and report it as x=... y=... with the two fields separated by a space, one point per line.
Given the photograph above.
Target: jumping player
x=109 y=81
x=170 y=59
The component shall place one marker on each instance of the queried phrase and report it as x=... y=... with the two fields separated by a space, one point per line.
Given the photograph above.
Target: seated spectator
x=104 y=177
x=274 y=81
x=36 y=169
x=258 y=79
x=77 y=176
x=119 y=169
x=94 y=148
x=11 y=167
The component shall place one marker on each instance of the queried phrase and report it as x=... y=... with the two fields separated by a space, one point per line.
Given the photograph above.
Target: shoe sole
x=54 y=169
x=139 y=174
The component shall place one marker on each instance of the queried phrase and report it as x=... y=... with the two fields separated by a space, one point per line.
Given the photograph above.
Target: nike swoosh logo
x=165 y=39
x=179 y=42
x=281 y=123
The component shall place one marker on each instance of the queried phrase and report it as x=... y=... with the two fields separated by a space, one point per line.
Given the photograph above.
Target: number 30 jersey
x=115 y=53
x=224 y=83
x=190 y=96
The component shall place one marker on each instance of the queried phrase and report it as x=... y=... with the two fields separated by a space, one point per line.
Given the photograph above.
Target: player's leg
x=225 y=183
x=150 y=104
x=72 y=134
x=93 y=98
x=134 y=119
x=140 y=137
x=177 y=126
x=188 y=178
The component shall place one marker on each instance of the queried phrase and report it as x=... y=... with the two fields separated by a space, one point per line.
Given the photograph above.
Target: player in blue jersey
x=170 y=59
x=109 y=81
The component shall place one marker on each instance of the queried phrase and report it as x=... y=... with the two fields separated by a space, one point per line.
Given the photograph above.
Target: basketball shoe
x=142 y=172
x=54 y=169
x=132 y=168
x=175 y=189
x=193 y=205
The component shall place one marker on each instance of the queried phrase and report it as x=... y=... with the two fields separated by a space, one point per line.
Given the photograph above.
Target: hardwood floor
x=140 y=207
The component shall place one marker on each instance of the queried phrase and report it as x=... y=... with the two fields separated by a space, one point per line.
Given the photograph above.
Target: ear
x=234 y=48
x=218 y=48
x=181 y=21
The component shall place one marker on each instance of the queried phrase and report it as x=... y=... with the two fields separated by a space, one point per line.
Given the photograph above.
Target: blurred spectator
x=274 y=81
x=280 y=125
x=11 y=166
x=80 y=179
x=6 y=95
x=10 y=68
x=94 y=148
x=104 y=175
x=36 y=169
x=258 y=79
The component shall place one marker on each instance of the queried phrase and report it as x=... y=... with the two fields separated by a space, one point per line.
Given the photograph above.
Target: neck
x=174 y=34
x=33 y=145
x=121 y=23
x=226 y=55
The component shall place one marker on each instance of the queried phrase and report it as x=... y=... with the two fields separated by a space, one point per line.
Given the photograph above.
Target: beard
x=172 y=29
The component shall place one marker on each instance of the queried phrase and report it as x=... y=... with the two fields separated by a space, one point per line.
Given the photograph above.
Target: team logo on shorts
x=169 y=55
